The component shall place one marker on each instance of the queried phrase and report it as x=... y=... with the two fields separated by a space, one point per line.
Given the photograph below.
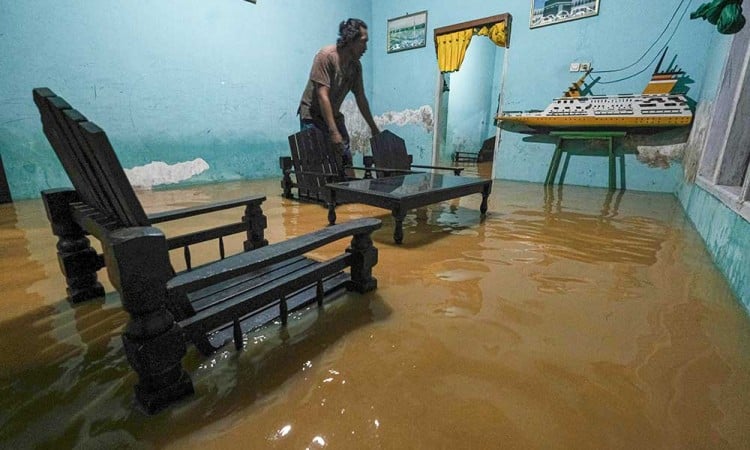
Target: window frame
x=724 y=168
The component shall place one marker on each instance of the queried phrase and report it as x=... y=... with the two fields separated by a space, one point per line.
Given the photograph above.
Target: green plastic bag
x=725 y=14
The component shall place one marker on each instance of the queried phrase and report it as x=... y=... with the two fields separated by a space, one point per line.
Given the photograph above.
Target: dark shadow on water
x=81 y=374
x=423 y=226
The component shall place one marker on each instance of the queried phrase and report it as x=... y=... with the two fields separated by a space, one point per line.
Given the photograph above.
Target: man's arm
x=324 y=101
x=364 y=109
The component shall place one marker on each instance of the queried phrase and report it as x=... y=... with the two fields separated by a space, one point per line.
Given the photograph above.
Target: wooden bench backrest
x=389 y=151
x=311 y=152
x=89 y=160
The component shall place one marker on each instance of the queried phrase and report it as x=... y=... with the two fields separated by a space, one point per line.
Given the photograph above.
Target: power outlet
x=583 y=67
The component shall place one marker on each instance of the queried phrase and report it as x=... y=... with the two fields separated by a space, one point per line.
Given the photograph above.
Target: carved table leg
x=332 y=207
x=398 y=224
x=257 y=222
x=364 y=257
x=138 y=265
x=78 y=261
x=485 y=196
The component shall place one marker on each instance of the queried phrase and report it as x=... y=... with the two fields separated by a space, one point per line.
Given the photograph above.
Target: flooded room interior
x=387 y=225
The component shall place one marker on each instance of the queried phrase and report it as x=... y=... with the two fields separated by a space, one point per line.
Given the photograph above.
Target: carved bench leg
x=138 y=265
x=364 y=257
x=285 y=163
x=78 y=260
x=257 y=223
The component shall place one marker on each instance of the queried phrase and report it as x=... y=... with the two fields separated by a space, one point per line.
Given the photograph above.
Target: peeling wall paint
x=697 y=140
x=660 y=155
x=359 y=132
x=158 y=172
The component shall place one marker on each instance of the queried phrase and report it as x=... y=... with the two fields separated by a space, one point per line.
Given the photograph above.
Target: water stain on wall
x=159 y=172
x=359 y=132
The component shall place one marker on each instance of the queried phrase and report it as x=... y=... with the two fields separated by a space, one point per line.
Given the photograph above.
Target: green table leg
x=612 y=166
x=564 y=168
x=553 y=165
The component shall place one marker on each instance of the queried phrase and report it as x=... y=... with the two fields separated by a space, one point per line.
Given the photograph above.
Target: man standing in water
x=335 y=72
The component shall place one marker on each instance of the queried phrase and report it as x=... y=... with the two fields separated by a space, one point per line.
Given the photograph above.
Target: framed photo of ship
x=407 y=32
x=548 y=12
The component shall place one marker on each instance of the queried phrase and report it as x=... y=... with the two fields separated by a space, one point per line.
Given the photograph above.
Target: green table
x=563 y=136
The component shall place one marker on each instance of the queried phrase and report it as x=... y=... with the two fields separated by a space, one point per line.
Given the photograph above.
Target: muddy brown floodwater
x=568 y=318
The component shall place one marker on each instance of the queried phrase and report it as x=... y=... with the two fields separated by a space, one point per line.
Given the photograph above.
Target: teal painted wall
x=725 y=233
x=538 y=71
x=168 y=80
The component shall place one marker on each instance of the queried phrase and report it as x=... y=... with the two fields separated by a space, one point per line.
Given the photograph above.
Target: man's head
x=353 y=37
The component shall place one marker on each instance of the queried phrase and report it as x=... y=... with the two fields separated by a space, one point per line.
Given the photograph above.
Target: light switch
x=575 y=67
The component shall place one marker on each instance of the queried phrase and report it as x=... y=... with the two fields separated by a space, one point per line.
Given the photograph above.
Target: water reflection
x=571 y=318
x=581 y=236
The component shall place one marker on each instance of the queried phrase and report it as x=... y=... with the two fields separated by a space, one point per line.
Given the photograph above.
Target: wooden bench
x=206 y=305
x=390 y=156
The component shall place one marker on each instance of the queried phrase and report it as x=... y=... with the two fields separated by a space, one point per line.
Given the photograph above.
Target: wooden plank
x=248 y=283
x=116 y=180
x=491 y=20
x=218 y=315
x=183 y=213
x=266 y=315
x=247 y=262
x=63 y=143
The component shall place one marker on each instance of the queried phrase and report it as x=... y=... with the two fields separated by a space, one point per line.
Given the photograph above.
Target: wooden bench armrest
x=388 y=169
x=456 y=170
x=204 y=209
x=196 y=237
x=309 y=172
x=236 y=265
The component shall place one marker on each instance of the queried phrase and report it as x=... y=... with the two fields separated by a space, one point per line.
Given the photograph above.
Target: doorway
x=467 y=100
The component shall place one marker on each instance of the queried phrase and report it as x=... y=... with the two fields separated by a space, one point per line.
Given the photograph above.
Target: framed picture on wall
x=407 y=32
x=548 y=12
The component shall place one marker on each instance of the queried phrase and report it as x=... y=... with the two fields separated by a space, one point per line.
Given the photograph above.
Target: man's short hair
x=349 y=31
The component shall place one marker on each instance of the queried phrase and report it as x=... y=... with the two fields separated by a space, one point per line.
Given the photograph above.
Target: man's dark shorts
x=306 y=124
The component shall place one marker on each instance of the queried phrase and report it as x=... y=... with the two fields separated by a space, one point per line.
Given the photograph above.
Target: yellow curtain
x=496 y=33
x=451 y=49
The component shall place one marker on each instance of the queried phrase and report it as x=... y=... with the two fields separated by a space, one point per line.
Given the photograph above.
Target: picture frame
x=550 y=12
x=406 y=32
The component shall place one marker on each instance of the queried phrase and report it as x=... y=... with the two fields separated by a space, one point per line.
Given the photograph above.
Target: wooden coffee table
x=405 y=192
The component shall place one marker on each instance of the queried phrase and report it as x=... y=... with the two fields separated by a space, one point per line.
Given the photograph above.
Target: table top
x=408 y=185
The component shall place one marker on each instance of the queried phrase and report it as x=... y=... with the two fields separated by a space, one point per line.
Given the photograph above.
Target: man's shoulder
x=328 y=51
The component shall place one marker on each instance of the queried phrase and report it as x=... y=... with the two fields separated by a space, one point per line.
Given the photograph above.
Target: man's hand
x=336 y=137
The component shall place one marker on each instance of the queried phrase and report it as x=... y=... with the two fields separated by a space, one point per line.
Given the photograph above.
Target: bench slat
x=257 y=280
x=264 y=316
x=214 y=317
x=247 y=262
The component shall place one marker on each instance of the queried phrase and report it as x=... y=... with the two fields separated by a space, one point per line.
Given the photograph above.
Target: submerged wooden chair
x=314 y=164
x=390 y=156
x=485 y=153
x=206 y=305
